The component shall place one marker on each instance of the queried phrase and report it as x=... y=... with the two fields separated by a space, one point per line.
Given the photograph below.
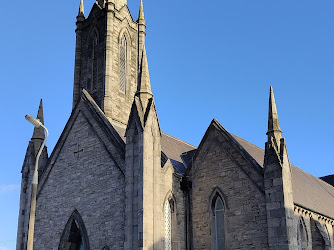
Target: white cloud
x=5 y=189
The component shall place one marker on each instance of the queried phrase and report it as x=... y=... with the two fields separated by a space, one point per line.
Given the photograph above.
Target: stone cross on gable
x=78 y=151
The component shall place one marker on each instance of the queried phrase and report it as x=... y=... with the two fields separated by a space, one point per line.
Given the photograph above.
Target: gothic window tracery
x=122 y=64
x=168 y=226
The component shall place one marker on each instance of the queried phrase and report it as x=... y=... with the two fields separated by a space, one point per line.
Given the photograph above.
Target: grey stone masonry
x=279 y=198
x=84 y=174
x=278 y=185
x=316 y=232
x=221 y=168
x=115 y=181
x=97 y=63
x=143 y=179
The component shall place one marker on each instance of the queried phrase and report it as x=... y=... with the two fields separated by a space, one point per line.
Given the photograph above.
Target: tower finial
x=274 y=129
x=144 y=84
x=141 y=11
x=81 y=9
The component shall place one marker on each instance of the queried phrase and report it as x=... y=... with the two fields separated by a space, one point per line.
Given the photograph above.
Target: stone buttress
x=143 y=169
x=278 y=185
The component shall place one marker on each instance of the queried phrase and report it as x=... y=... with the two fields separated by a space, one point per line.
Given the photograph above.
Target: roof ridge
x=177 y=139
x=317 y=178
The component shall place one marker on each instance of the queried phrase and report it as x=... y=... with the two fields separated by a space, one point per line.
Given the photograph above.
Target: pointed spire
x=273 y=122
x=144 y=84
x=141 y=11
x=81 y=9
x=38 y=135
x=39 y=132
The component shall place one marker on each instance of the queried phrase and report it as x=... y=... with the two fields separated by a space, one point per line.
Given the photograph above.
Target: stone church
x=116 y=181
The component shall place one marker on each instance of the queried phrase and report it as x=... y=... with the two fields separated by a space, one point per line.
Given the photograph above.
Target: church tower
x=108 y=44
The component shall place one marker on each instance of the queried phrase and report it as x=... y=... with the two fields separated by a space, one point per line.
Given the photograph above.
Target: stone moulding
x=306 y=212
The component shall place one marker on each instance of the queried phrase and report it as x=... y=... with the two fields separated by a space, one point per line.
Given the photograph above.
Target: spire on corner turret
x=81 y=9
x=38 y=136
x=141 y=11
x=144 y=91
x=39 y=132
x=81 y=13
x=274 y=129
x=141 y=31
x=278 y=183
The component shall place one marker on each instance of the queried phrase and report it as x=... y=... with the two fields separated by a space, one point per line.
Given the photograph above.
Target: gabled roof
x=308 y=191
x=108 y=136
x=254 y=171
x=172 y=147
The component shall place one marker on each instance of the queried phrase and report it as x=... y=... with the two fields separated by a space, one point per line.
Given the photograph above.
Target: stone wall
x=318 y=230
x=83 y=177
x=219 y=168
x=172 y=192
x=110 y=26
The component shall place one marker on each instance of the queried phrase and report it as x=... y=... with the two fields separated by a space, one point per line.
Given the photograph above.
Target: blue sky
x=207 y=59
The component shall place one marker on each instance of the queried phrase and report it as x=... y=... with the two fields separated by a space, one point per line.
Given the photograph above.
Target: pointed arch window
x=74 y=236
x=219 y=220
x=95 y=62
x=318 y=241
x=122 y=64
x=302 y=235
x=168 y=226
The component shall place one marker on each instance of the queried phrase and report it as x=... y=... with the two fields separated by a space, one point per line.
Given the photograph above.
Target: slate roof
x=308 y=191
x=172 y=147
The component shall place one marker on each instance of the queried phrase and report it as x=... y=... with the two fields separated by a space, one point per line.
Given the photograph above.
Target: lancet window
x=218 y=222
x=122 y=63
x=95 y=62
x=74 y=235
x=168 y=226
x=219 y=219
